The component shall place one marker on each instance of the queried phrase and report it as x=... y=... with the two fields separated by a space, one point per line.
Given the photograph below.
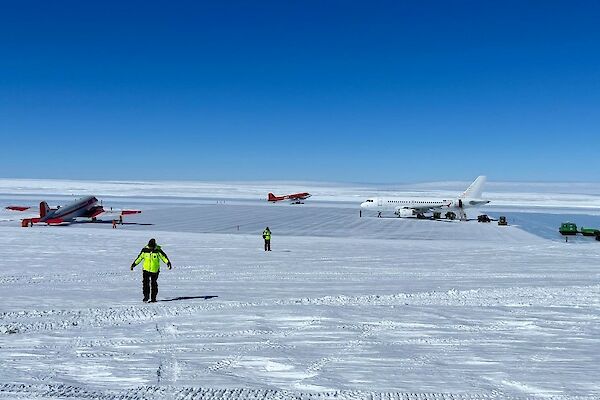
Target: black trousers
x=150 y=281
x=268 y=245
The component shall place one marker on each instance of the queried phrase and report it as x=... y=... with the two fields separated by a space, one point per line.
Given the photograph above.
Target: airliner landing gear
x=450 y=215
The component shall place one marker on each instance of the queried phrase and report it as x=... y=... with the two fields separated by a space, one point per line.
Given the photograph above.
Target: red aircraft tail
x=272 y=197
x=44 y=209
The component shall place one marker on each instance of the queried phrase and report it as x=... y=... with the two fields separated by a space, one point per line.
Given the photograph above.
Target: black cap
x=152 y=243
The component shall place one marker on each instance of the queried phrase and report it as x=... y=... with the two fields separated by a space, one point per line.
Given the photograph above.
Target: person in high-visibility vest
x=152 y=255
x=267 y=237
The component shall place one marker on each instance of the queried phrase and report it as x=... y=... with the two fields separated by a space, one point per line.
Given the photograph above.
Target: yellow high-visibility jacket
x=152 y=258
x=267 y=234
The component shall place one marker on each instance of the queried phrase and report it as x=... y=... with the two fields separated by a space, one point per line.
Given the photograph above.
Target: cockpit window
x=369 y=200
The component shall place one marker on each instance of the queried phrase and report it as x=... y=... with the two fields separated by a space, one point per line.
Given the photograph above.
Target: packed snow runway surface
x=343 y=307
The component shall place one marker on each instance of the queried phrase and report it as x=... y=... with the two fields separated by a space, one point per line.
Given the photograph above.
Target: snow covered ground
x=343 y=307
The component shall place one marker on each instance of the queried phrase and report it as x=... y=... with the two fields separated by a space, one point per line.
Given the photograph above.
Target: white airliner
x=418 y=206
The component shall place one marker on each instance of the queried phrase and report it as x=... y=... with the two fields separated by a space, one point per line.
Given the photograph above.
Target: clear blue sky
x=382 y=91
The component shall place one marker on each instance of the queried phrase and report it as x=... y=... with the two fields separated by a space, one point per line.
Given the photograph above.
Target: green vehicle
x=568 y=228
x=589 y=231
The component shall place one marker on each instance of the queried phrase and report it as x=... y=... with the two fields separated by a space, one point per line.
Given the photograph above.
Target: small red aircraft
x=295 y=198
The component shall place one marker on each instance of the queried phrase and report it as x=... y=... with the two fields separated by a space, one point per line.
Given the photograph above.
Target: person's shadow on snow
x=189 y=298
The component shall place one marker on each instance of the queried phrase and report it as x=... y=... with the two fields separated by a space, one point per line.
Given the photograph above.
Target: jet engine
x=462 y=203
x=405 y=212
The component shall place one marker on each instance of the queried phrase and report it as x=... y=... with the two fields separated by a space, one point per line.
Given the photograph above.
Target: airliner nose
x=363 y=204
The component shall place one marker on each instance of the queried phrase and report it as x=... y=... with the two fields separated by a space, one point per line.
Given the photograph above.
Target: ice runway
x=317 y=314
x=344 y=307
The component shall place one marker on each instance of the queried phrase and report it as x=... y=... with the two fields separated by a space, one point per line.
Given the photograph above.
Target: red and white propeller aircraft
x=86 y=208
x=295 y=198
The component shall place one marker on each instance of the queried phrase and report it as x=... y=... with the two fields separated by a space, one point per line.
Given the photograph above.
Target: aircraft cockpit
x=368 y=203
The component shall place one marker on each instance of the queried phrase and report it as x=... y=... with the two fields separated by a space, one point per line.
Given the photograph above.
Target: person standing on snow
x=267 y=237
x=152 y=255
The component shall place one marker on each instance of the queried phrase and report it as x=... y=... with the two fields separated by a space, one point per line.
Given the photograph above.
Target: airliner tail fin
x=475 y=189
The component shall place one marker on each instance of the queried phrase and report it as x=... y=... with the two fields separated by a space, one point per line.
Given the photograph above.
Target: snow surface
x=343 y=307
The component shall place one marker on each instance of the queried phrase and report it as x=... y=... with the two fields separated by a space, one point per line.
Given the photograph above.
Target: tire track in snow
x=273 y=343
x=91 y=343
x=508 y=297
x=98 y=276
x=62 y=391
x=367 y=331
x=20 y=321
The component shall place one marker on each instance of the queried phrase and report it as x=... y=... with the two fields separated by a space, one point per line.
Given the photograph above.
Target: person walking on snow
x=267 y=237
x=152 y=255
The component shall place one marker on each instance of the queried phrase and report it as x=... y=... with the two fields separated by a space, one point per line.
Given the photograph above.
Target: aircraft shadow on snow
x=189 y=298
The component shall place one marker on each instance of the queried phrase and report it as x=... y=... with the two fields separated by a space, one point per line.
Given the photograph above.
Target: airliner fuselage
x=415 y=206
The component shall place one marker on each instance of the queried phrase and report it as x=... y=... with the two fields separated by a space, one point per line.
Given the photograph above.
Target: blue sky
x=386 y=91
